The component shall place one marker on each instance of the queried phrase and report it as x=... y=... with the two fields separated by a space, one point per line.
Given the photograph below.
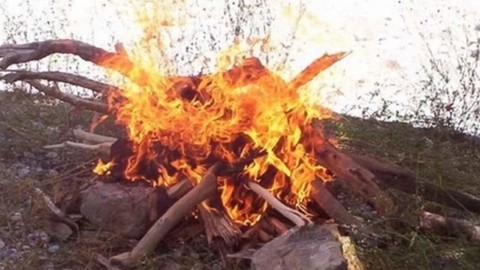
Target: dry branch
x=56 y=76
x=92 y=137
x=332 y=206
x=101 y=147
x=118 y=61
x=205 y=189
x=447 y=226
x=293 y=215
x=315 y=68
x=69 y=98
x=57 y=213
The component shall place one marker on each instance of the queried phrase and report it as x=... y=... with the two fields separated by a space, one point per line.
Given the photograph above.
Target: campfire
x=242 y=149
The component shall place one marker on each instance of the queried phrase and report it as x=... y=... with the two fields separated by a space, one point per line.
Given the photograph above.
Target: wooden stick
x=205 y=189
x=447 y=226
x=278 y=226
x=92 y=137
x=293 y=215
x=331 y=205
x=58 y=214
x=101 y=147
x=315 y=68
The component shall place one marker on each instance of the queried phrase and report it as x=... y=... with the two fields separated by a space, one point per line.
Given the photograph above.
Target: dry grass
x=26 y=126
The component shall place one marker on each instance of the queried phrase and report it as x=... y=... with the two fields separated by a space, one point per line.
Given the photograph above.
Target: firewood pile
x=238 y=149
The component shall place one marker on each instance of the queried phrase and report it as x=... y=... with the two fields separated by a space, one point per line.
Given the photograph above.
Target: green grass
x=442 y=157
x=28 y=123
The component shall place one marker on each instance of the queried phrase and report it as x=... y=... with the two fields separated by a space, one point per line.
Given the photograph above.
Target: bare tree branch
x=69 y=98
x=56 y=76
x=118 y=61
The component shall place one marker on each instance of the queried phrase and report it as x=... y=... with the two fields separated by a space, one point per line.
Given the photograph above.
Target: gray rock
x=117 y=209
x=312 y=247
x=51 y=173
x=29 y=155
x=16 y=217
x=22 y=172
x=53 y=248
x=38 y=238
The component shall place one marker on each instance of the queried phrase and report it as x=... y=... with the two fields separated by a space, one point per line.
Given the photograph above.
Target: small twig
x=92 y=137
x=102 y=147
x=104 y=261
x=57 y=212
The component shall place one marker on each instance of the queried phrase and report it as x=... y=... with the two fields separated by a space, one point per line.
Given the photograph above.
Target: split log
x=222 y=232
x=218 y=224
x=446 y=226
x=205 y=189
x=404 y=180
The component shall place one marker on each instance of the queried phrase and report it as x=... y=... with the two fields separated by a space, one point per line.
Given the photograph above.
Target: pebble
x=16 y=217
x=51 y=173
x=25 y=247
x=53 y=248
x=51 y=155
x=2 y=244
x=29 y=155
x=38 y=238
x=23 y=172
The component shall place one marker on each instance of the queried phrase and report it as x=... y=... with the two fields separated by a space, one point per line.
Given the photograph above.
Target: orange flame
x=226 y=116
